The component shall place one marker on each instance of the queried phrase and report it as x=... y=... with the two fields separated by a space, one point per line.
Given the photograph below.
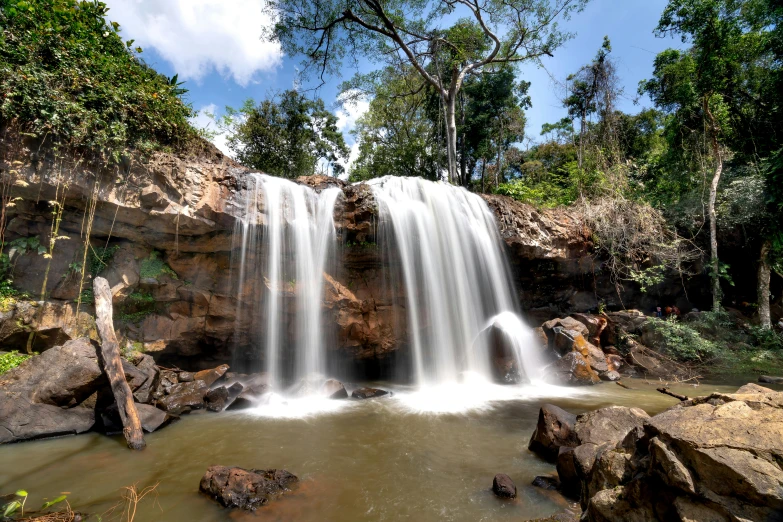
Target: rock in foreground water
x=555 y=428
x=503 y=486
x=370 y=393
x=246 y=488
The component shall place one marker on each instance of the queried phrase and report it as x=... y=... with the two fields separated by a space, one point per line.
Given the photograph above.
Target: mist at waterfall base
x=440 y=241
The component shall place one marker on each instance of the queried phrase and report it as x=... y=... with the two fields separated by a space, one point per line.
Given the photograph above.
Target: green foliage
x=682 y=341
x=360 y=244
x=153 y=267
x=100 y=258
x=136 y=307
x=67 y=76
x=648 y=277
x=537 y=193
x=11 y=360
x=286 y=136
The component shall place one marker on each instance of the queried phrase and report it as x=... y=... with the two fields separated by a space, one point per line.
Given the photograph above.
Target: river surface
x=416 y=456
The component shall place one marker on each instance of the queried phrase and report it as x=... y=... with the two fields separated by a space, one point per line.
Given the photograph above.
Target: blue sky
x=215 y=46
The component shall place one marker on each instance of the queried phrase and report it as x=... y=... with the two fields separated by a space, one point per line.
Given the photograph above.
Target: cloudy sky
x=215 y=46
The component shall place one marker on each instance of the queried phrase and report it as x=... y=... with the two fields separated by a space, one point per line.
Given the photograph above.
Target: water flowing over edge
x=456 y=278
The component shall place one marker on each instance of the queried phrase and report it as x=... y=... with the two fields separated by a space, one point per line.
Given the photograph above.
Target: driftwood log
x=666 y=391
x=769 y=379
x=112 y=365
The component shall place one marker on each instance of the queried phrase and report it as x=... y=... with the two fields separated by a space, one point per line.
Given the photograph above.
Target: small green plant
x=17 y=505
x=648 y=277
x=361 y=244
x=766 y=338
x=11 y=360
x=136 y=307
x=153 y=266
x=682 y=341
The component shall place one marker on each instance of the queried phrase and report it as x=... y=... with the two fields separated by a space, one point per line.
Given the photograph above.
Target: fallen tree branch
x=112 y=365
x=622 y=385
x=666 y=391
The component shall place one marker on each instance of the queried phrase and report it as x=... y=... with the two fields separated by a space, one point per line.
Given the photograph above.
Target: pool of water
x=419 y=456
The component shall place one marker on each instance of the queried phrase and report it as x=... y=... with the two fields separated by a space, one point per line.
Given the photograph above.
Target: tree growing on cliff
x=287 y=136
x=408 y=33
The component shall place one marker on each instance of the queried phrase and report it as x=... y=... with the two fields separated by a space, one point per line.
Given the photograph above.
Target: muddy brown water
x=377 y=460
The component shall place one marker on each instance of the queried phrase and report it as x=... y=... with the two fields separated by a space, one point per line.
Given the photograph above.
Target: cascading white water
x=455 y=274
x=294 y=234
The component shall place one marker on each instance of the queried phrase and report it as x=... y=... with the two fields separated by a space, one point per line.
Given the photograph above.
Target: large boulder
x=44 y=396
x=567 y=323
x=555 y=429
x=610 y=424
x=714 y=458
x=572 y=369
x=246 y=488
x=595 y=326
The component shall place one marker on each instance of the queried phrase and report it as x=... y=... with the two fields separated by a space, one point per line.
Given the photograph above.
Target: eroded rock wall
x=168 y=224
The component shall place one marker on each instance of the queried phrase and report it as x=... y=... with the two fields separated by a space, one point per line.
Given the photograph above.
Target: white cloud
x=204 y=120
x=199 y=36
x=350 y=112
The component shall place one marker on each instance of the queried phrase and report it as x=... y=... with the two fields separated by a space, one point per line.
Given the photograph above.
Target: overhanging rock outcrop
x=161 y=231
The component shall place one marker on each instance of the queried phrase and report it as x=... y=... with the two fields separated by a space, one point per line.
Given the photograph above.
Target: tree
x=287 y=138
x=396 y=135
x=398 y=32
x=593 y=89
x=692 y=85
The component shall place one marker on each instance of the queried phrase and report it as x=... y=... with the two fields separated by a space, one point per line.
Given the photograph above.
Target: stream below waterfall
x=374 y=460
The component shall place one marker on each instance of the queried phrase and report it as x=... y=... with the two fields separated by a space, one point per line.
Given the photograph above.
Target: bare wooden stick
x=112 y=365
x=666 y=391
x=623 y=385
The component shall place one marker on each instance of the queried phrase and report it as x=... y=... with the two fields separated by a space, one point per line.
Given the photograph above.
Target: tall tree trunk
x=451 y=135
x=763 y=286
x=483 y=172
x=463 y=163
x=715 y=262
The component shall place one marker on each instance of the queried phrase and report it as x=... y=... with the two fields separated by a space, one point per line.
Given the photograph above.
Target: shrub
x=11 y=360
x=681 y=341
x=67 y=76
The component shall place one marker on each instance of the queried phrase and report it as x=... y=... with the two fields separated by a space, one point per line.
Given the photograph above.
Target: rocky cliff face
x=162 y=232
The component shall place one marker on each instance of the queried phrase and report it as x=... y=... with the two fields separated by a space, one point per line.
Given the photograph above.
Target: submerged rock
x=246 y=488
x=546 y=482
x=503 y=486
x=370 y=393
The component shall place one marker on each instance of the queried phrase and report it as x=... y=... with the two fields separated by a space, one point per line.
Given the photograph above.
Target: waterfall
x=284 y=248
x=455 y=275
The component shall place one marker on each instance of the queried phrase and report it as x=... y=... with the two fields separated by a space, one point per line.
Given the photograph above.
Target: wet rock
x=184 y=397
x=248 y=396
x=567 y=340
x=369 y=393
x=570 y=483
x=546 y=482
x=234 y=390
x=186 y=376
x=503 y=486
x=212 y=375
x=769 y=379
x=610 y=376
x=216 y=399
x=555 y=429
x=246 y=488
x=572 y=369
x=334 y=389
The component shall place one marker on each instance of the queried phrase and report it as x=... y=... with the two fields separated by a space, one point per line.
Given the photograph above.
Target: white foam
x=273 y=405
